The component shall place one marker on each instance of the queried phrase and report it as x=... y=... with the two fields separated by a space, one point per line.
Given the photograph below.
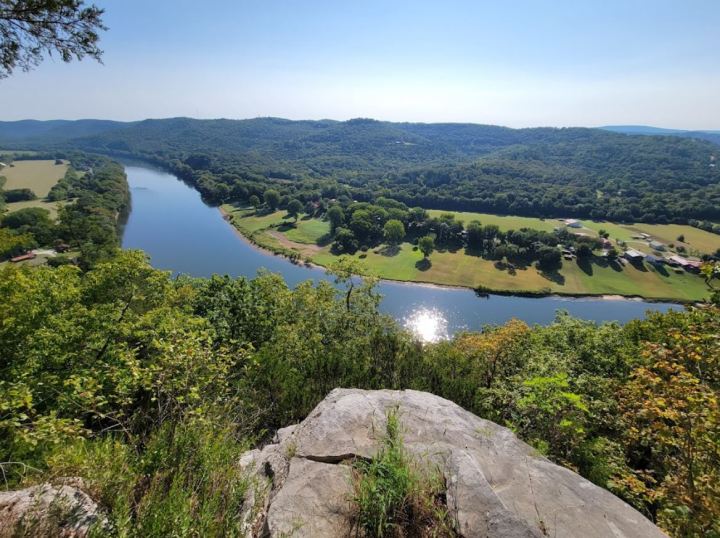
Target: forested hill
x=40 y=132
x=712 y=136
x=537 y=171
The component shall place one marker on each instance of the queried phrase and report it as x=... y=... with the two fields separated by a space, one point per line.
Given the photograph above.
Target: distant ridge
x=55 y=130
x=712 y=136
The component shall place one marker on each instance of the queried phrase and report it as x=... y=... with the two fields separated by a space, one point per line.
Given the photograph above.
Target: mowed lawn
x=504 y=222
x=696 y=240
x=39 y=176
x=306 y=230
x=52 y=207
x=459 y=269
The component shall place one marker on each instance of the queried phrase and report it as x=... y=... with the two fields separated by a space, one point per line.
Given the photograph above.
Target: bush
x=19 y=195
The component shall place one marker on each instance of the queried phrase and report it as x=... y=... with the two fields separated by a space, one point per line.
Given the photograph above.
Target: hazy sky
x=508 y=62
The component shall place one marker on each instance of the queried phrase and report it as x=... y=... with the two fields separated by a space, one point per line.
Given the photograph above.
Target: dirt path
x=305 y=248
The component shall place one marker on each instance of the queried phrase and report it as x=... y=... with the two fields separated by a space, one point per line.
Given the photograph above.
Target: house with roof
x=688 y=265
x=657 y=245
x=633 y=255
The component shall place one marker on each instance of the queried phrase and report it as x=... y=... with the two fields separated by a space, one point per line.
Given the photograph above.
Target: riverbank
x=463 y=271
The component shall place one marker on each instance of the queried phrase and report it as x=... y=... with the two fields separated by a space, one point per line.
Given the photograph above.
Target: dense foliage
x=95 y=198
x=149 y=387
x=30 y=29
x=537 y=172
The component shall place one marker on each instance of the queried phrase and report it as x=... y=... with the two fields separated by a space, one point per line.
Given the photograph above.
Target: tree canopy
x=30 y=29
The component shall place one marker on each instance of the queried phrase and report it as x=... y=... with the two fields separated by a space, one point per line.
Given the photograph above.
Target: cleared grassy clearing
x=456 y=268
x=594 y=278
x=306 y=230
x=39 y=176
x=52 y=207
x=504 y=222
x=695 y=239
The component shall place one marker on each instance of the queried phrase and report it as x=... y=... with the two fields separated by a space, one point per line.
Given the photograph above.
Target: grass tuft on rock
x=395 y=496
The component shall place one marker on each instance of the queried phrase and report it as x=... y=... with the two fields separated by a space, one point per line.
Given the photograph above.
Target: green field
x=405 y=263
x=305 y=230
x=504 y=222
x=697 y=240
x=52 y=207
x=39 y=176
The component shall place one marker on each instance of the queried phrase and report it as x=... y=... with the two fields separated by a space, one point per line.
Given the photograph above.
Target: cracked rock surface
x=48 y=510
x=498 y=486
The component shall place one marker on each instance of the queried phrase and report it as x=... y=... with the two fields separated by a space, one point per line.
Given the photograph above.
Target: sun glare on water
x=427 y=324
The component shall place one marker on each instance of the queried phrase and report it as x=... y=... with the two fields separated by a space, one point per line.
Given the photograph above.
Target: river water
x=179 y=232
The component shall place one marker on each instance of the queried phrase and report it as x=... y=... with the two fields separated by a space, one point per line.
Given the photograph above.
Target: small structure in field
x=688 y=265
x=633 y=255
x=573 y=223
x=655 y=260
x=657 y=245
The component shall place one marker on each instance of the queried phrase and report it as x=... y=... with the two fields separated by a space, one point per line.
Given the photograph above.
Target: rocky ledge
x=49 y=510
x=497 y=486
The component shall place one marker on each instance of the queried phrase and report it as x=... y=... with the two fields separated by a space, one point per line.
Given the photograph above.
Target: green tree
x=336 y=216
x=30 y=29
x=254 y=201
x=584 y=251
x=272 y=198
x=474 y=234
x=293 y=208
x=549 y=259
x=345 y=241
x=31 y=220
x=394 y=232
x=426 y=244
x=672 y=414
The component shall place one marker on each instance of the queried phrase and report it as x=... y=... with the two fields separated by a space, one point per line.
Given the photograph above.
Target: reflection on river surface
x=170 y=222
x=428 y=324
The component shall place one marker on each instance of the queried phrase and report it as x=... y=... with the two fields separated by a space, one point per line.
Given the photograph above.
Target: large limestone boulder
x=497 y=486
x=47 y=510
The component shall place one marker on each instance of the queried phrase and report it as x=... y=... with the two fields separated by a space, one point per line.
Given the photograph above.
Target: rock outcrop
x=497 y=486
x=47 y=510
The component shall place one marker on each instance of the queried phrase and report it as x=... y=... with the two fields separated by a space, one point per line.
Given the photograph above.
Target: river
x=179 y=232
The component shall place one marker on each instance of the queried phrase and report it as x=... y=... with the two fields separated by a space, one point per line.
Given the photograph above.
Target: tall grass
x=184 y=482
x=396 y=495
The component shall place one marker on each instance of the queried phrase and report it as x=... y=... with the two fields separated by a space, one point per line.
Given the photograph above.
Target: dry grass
x=39 y=176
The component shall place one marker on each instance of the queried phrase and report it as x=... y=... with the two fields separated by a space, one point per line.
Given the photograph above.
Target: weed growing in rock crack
x=395 y=496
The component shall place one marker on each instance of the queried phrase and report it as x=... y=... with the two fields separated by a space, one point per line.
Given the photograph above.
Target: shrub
x=19 y=195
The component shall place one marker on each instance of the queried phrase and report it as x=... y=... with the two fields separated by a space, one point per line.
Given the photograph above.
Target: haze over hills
x=712 y=136
x=544 y=171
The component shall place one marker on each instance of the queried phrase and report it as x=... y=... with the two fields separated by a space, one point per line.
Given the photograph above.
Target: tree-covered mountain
x=537 y=171
x=712 y=136
x=41 y=132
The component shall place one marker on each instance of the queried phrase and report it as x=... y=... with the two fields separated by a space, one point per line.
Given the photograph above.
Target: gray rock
x=496 y=484
x=313 y=501
x=47 y=510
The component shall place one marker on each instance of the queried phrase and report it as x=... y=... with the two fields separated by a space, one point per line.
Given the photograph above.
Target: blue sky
x=514 y=62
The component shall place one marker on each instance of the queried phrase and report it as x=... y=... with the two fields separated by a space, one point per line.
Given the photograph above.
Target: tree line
x=543 y=172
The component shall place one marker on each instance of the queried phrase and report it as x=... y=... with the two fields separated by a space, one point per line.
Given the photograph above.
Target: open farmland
x=39 y=176
x=596 y=276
